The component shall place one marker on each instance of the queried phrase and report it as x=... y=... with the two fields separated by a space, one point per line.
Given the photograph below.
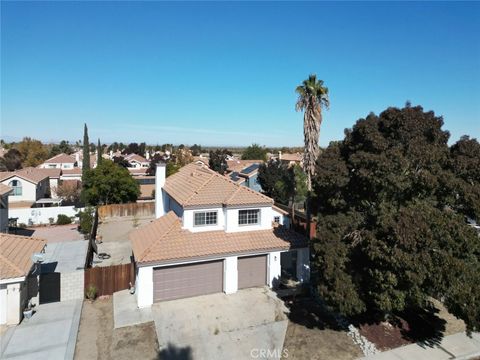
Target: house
x=71 y=174
x=136 y=161
x=30 y=186
x=4 y=193
x=60 y=161
x=291 y=159
x=15 y=266
x=212 y=235
x=247 y=175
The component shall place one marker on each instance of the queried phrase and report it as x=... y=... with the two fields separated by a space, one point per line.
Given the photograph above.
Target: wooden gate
x=109 y=279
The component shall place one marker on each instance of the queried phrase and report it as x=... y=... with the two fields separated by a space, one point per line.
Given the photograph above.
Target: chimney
x=279 y=155
x=147 y=155
x=77 y=158
x=111 y=154
x=160 y=175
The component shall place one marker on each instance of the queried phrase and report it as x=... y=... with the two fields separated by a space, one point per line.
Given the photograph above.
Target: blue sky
x=224 y=73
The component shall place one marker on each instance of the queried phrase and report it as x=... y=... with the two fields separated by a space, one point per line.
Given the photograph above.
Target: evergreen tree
x=99 y=153
x=86 y=152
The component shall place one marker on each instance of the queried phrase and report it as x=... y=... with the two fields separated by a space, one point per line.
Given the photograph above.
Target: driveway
x=243 y=325
x=50 y=334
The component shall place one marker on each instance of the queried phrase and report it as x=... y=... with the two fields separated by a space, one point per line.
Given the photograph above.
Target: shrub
x=91 y=292
x=63 y=219
x=51 y=220
x=22 y=225
x=86 y=221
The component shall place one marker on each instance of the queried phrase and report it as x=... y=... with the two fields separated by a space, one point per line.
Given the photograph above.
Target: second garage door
x=252 y=271
x=181 y=281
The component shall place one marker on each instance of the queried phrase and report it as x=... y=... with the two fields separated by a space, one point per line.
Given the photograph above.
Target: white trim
x=12 y=280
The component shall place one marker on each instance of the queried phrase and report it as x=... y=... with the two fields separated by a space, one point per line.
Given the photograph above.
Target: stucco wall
x=29 y=190
x=41 y=215
x=12 y=299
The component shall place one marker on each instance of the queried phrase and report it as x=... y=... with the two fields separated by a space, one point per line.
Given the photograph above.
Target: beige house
x=60 y=161
x=212 y=235
x=15 y=266
x=28 y=185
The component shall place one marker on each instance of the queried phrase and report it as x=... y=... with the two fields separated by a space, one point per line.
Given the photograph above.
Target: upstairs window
x=249 y=217
x=205 y=218
x=17 y=187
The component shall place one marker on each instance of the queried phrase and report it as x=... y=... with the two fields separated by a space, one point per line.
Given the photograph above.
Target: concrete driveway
x=243 y=325
x=50 y=334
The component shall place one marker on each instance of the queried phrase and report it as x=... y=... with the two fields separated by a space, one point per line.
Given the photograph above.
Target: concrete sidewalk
x=126 y=312
x=456 y=346
x=50 y=334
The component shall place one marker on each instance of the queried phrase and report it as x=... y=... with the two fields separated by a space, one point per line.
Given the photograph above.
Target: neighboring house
x=15 y=266
x=136 y=161
x=212 y=235
x=247 y=176
x=79 y=159
x=71 y=174
x=60 y=161
x=4 y=193
x=291 y=159
x=29 y=185
x=138 y=171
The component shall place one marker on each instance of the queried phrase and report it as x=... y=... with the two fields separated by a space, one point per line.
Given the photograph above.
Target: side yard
x=97 y=338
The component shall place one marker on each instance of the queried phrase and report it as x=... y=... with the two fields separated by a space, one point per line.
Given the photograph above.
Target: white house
x=29 y=185
x=4 y=193
x=60 y=161
x=212 y=235
x=136 y=161
x=15 y=265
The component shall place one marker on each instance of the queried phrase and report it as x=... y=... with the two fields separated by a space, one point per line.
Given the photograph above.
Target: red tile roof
x=61 y=159
x=164 y=240
x=15 y=257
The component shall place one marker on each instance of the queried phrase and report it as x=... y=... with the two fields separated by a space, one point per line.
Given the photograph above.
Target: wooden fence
x=109 y=279
x=131 y=209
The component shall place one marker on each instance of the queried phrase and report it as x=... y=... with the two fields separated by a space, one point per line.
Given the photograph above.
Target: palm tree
x=312 y=97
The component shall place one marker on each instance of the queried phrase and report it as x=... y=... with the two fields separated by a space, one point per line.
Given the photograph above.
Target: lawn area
x=98 y=340
x=312 y=334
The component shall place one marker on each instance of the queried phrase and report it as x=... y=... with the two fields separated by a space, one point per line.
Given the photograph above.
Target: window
x=248 y=217
x=205 y=218
x=276 y=219
x=17 y=187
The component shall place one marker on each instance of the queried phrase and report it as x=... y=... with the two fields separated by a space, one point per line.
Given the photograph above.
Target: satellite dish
x=38 y=258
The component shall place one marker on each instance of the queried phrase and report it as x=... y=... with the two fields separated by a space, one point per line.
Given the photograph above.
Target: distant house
x=136 y=161
x=60 y=161
x=71 y=174
x=138 y=171
x=15 y=266
x=4 y=193
x=290 y=159
x=212 y=235
x=245 y=172
x=29 y=186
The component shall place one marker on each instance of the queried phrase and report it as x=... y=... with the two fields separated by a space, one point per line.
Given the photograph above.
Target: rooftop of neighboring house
x=4 y=189
x=61 y=159
x=138 y=171
x=291 y=157
x=164 y=240
x=72 y=172
x=16 y=254
x=135 y=157
x=31 y=174
x=203 y=159
x=239 y=165
x=197 y=185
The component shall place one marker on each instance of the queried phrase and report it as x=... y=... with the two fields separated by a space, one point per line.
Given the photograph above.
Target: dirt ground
x=98 y=340
x=117 y=228
x=312 y=335
x=53 y=233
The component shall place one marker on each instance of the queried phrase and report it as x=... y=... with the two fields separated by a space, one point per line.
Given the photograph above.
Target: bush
x=86 y=221
x=63 y=219
x=91 y=292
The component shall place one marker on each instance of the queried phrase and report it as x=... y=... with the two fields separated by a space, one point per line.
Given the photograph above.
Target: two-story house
x=211 y=235
x=136 y=161
x=60 y=161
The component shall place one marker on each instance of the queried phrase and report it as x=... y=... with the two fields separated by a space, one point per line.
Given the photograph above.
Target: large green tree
x=218 y=160
x=312 y=97
x=109 y=183
x=391 y=201
x=255 y=152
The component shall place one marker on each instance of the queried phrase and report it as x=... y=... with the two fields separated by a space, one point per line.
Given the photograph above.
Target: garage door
x=252 y=271
x=181 y=281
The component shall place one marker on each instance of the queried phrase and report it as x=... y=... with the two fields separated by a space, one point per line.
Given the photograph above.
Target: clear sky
x=224 y=73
